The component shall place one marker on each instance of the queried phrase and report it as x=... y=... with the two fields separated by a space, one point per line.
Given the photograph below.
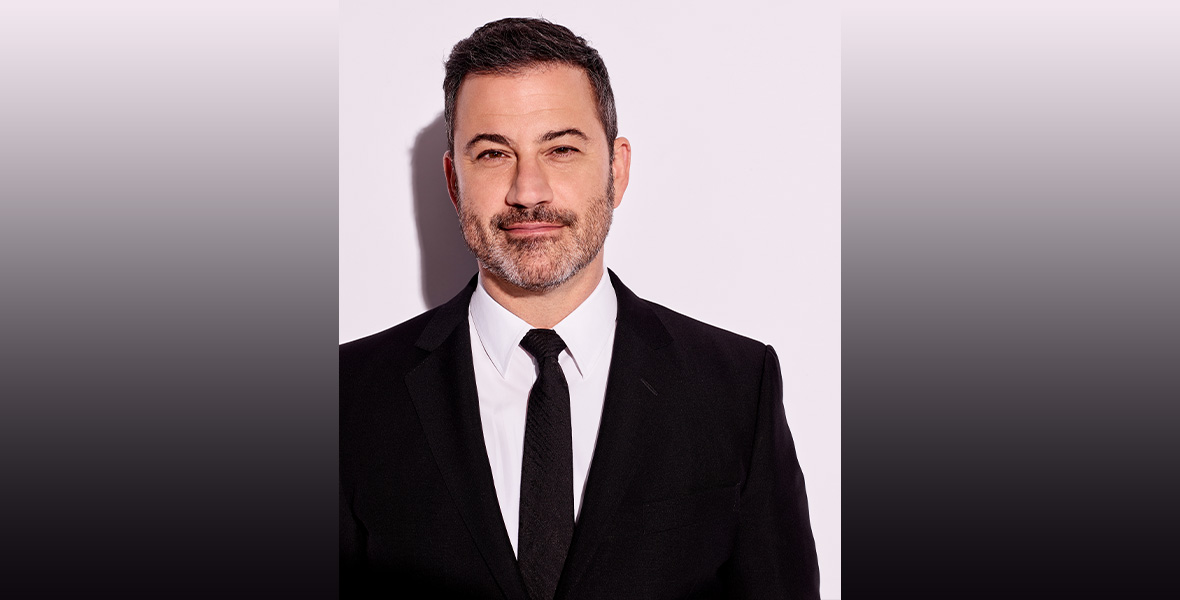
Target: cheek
x=483 y=189
x=582 y=186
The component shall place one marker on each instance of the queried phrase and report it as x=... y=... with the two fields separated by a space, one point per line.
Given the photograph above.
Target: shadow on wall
x=447 y=264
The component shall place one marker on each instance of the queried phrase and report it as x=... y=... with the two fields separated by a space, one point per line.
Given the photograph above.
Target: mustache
x=541 y=213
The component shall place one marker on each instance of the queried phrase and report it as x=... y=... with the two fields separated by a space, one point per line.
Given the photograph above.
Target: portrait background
x=732 y=215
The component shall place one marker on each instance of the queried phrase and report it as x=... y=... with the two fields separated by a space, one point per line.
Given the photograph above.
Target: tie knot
x=542 y=343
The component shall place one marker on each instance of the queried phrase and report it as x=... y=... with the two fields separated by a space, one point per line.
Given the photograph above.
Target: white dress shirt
x=504 y=375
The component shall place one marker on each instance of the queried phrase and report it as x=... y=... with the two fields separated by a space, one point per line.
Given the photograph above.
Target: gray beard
x=544 y=263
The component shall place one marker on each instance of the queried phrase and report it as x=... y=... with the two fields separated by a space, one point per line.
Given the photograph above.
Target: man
x=546 y=433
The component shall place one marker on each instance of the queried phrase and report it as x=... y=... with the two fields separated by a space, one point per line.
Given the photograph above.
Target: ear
x=452 y=178
x=621 y=168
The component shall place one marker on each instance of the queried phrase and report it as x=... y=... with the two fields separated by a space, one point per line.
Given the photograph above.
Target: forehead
x=540 y=98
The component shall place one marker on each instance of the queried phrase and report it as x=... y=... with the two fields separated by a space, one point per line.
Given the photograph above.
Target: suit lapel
x=444 y=393
x=637 y=374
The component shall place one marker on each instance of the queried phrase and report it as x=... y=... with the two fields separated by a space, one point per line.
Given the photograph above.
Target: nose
x=531 y=184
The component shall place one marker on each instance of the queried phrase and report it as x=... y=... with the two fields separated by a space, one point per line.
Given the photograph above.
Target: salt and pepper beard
x=539 y=263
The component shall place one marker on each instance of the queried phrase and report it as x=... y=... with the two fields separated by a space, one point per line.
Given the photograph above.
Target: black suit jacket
x=694 y=490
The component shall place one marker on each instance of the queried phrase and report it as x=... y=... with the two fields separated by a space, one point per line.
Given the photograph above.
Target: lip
x=532 y=228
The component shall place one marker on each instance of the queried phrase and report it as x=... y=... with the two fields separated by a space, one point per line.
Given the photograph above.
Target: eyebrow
x=496 y=138
x=552 y=135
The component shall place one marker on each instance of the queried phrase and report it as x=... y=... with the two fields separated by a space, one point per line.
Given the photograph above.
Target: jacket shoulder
x=375 y=357
x=695 y=333
x=719 y=363
x=399 y=336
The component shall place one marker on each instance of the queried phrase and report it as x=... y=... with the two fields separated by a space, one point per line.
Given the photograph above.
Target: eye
x=563 y=151
x=491 y=155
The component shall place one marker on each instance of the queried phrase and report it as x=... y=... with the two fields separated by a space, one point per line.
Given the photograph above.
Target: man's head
x=533 y=170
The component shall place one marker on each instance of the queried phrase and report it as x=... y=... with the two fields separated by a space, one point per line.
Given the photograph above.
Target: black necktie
x=547 y=472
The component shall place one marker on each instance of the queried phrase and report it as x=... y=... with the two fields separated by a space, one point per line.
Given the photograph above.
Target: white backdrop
x=733 y=211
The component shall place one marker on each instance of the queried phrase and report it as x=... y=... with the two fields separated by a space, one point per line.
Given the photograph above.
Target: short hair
x=510 y=45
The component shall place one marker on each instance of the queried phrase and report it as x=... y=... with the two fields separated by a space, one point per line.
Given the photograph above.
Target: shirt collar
x=586 y=332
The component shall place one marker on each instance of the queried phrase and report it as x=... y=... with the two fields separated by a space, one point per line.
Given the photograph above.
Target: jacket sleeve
x=352 y=551
x=775 y=552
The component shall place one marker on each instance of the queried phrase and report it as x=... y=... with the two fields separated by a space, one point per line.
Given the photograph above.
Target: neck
x=546 y=309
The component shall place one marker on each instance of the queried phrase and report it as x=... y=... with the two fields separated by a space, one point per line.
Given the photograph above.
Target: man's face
x=531 y=174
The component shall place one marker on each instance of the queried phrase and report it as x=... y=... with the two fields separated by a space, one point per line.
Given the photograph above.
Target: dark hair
x=509 y=45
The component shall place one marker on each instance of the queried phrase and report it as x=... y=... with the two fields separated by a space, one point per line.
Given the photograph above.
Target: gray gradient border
x=169 y=254
x=1012 y=299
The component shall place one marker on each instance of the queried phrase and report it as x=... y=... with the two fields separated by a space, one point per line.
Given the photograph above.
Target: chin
x=541 y=283
x=536 y=277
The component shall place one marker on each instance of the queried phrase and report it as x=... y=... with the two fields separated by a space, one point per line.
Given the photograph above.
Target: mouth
x=530 y=228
